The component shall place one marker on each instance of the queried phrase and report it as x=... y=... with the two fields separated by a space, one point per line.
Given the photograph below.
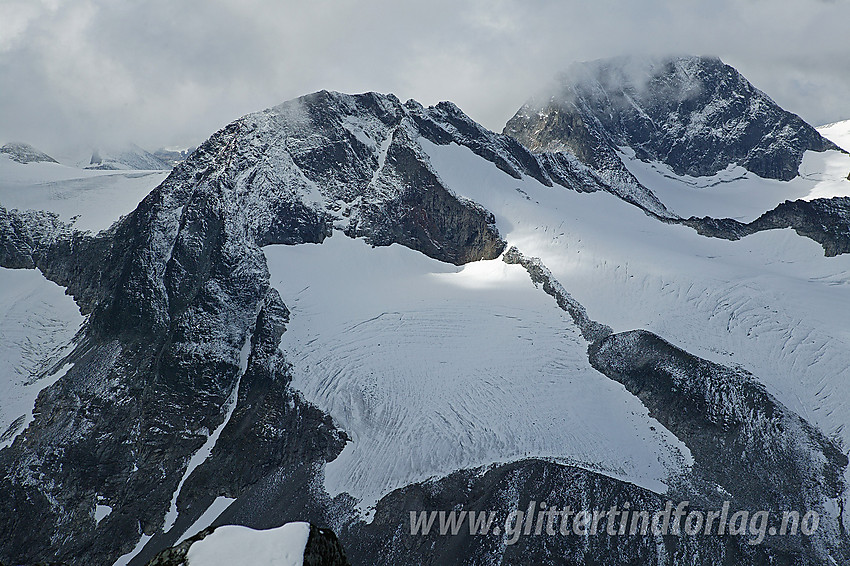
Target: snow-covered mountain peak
x=347 y=157
x=25 y=153
x=695 y=114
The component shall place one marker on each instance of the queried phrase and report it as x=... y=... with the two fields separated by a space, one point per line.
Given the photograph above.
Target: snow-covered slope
x=838 y=133
x=432 y=368
x=767 y=302
x=743 y=195
x=283 y=546
x=92 y=199
x=375 y=332
x=291 y=544
x=738 y=193
x=37 y=322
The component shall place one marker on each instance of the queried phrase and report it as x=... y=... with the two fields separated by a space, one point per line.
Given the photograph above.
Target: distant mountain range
x=127 y=157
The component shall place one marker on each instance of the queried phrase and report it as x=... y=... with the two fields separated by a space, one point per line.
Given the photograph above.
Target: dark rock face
x=25 y=234
x=507 y=488
x=429 y=219
x=324 y=549
x=360 y=155
x=826 y=221
x=553 y=168
x=123 y=422
x=25 y=153
x=763 y=455
x=695 y=114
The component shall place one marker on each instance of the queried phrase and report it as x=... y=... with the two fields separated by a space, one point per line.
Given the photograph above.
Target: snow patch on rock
x=283 y=546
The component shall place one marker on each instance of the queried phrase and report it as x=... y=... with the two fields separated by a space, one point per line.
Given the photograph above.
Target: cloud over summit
x=170 y=73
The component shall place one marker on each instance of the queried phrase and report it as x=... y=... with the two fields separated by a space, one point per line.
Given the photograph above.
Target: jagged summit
x=695 y=114
x=355 y=160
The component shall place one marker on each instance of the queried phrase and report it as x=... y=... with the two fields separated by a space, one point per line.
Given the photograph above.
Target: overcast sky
x=171 y=72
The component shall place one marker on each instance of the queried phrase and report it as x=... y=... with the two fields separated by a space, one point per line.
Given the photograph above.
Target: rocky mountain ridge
x=695 y=114
x=179 y=392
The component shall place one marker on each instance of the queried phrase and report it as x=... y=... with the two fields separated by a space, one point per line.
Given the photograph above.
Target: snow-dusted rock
x=25 y=153
x=695 y=114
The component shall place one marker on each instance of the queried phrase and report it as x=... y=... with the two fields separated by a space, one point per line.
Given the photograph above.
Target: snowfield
x=738 y=193
x=770 y=303
x=37 y=323
x=432 y=368
x=92 y=199
x=283 y=546
x=37 y=319
x=838 y=133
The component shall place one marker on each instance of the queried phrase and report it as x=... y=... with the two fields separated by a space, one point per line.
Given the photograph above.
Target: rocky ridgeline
x=183 y=332
x=826 y=221
x=181 y=315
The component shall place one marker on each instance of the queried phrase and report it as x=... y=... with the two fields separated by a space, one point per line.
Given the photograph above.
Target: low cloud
x=88 y=72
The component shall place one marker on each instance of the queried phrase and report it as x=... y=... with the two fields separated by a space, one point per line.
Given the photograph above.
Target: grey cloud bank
x=87 y=72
